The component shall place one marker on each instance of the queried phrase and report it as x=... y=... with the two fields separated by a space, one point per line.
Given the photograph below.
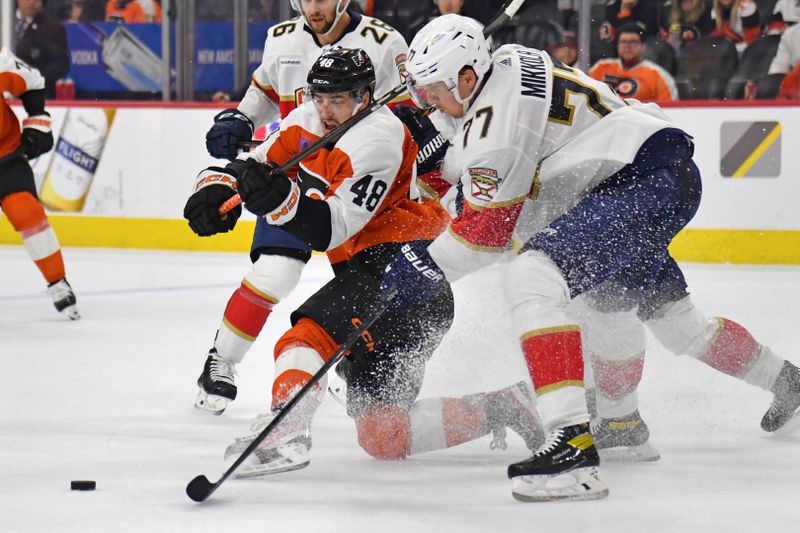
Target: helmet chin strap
x=339 y=13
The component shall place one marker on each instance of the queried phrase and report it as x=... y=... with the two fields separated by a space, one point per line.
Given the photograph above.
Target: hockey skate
x=285 y=449
x=783 y=416
x=514 y=408
x=565 y=467
x=64 y=299
x=624 y=439
x=216 y=383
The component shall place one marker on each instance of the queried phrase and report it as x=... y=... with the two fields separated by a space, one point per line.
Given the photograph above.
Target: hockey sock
x=299 y=354
x=735 y=352
x=27 y=217
x=555 y=362
x=270 y=280
x=439 y=423
x=243 y=320
x=384 y=432
x=614 y=344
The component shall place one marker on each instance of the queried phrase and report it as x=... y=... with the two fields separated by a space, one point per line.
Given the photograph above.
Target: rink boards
x=152 y=153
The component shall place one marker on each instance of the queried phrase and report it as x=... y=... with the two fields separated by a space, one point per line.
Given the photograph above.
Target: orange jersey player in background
x=18 y=197
x=357 y=200
x=632 y=76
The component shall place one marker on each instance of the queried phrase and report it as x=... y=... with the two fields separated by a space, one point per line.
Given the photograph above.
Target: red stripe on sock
x=247 y=311
x=616 y=379
x=554 y=356
x=734 y=349
x=461 y=422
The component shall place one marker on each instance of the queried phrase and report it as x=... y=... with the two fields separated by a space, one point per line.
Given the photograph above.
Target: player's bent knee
x=532 y=277
x=384 y=432
x=275 y=275
x=23 y=210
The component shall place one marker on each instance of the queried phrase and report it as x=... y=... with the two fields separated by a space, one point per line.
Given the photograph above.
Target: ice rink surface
x=109 y=398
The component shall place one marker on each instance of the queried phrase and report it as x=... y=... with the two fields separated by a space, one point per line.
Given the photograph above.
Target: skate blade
x=211 y=402
x=790 y=426
x=71 y=312
x=644 y=453
x=575 y=485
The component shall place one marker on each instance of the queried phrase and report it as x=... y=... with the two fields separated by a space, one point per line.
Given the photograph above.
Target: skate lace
x=222 y=371
x=551 y=443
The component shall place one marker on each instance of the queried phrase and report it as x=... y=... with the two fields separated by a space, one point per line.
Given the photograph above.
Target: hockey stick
x=501 y=19
x=201 y=488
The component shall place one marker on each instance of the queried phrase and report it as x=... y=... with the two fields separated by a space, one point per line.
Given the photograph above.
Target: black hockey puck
x=82 y=485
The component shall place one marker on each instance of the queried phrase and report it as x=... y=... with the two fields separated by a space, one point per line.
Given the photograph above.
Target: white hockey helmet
x=441 y=49
x=341 y=6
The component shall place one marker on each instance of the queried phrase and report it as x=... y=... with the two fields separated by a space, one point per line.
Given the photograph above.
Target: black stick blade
x=199 y=488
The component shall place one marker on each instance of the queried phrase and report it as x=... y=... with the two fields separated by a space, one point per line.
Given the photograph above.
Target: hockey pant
x=22 y=208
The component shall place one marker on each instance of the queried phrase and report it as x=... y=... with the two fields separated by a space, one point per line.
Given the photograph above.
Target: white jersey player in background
x=596 y=188
x=277 y=88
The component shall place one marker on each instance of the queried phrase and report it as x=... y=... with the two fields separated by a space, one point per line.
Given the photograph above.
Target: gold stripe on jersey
x=496 y=205
x=476 y=247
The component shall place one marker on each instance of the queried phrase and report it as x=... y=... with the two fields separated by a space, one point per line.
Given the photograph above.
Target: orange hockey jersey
x=367 y=179
x=646 y=81
x=16 y=78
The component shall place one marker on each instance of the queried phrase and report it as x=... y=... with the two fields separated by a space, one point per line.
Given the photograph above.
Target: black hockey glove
x=412 y=276
x=268 y=193
x=212 y=188
x=230 y=128
x=37 y=137
x=432 y=145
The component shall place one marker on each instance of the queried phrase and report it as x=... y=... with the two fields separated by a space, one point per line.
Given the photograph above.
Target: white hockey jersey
x=537 y=138
x=16 y=78
x=367 y=178
x=291 y=49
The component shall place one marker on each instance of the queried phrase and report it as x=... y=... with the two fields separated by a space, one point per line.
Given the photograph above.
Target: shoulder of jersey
x=380 y=128
x=286 y=36
x=372 y=34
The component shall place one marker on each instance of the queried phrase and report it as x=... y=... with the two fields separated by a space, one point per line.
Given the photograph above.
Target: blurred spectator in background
x=685 y=20
x=785 y=13
x=41 y=41
x=737 y=20
x=630 y=75
x=133 y=11
x=81 y=11
x=619 y=12
x=567 y=50
x=787 y=61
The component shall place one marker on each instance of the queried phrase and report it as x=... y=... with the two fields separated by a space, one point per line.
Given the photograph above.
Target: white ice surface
x=110 y=397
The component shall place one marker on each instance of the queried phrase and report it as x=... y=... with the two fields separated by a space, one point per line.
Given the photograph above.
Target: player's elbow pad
x=33 y=102
x=312 y=223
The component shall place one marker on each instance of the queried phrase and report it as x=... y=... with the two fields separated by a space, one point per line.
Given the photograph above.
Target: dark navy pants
x=617 y=236
x=272 y=240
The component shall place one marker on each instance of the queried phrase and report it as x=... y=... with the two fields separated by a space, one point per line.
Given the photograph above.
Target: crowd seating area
x=728 y=60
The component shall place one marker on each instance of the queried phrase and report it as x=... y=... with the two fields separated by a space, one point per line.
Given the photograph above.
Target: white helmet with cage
x=341 y=6
x=441 y=49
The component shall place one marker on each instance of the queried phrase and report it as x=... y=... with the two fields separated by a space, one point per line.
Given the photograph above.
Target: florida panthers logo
x=484 y=183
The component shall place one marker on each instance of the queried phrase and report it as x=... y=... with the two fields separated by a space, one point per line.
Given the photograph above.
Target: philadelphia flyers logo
x=627 y=87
